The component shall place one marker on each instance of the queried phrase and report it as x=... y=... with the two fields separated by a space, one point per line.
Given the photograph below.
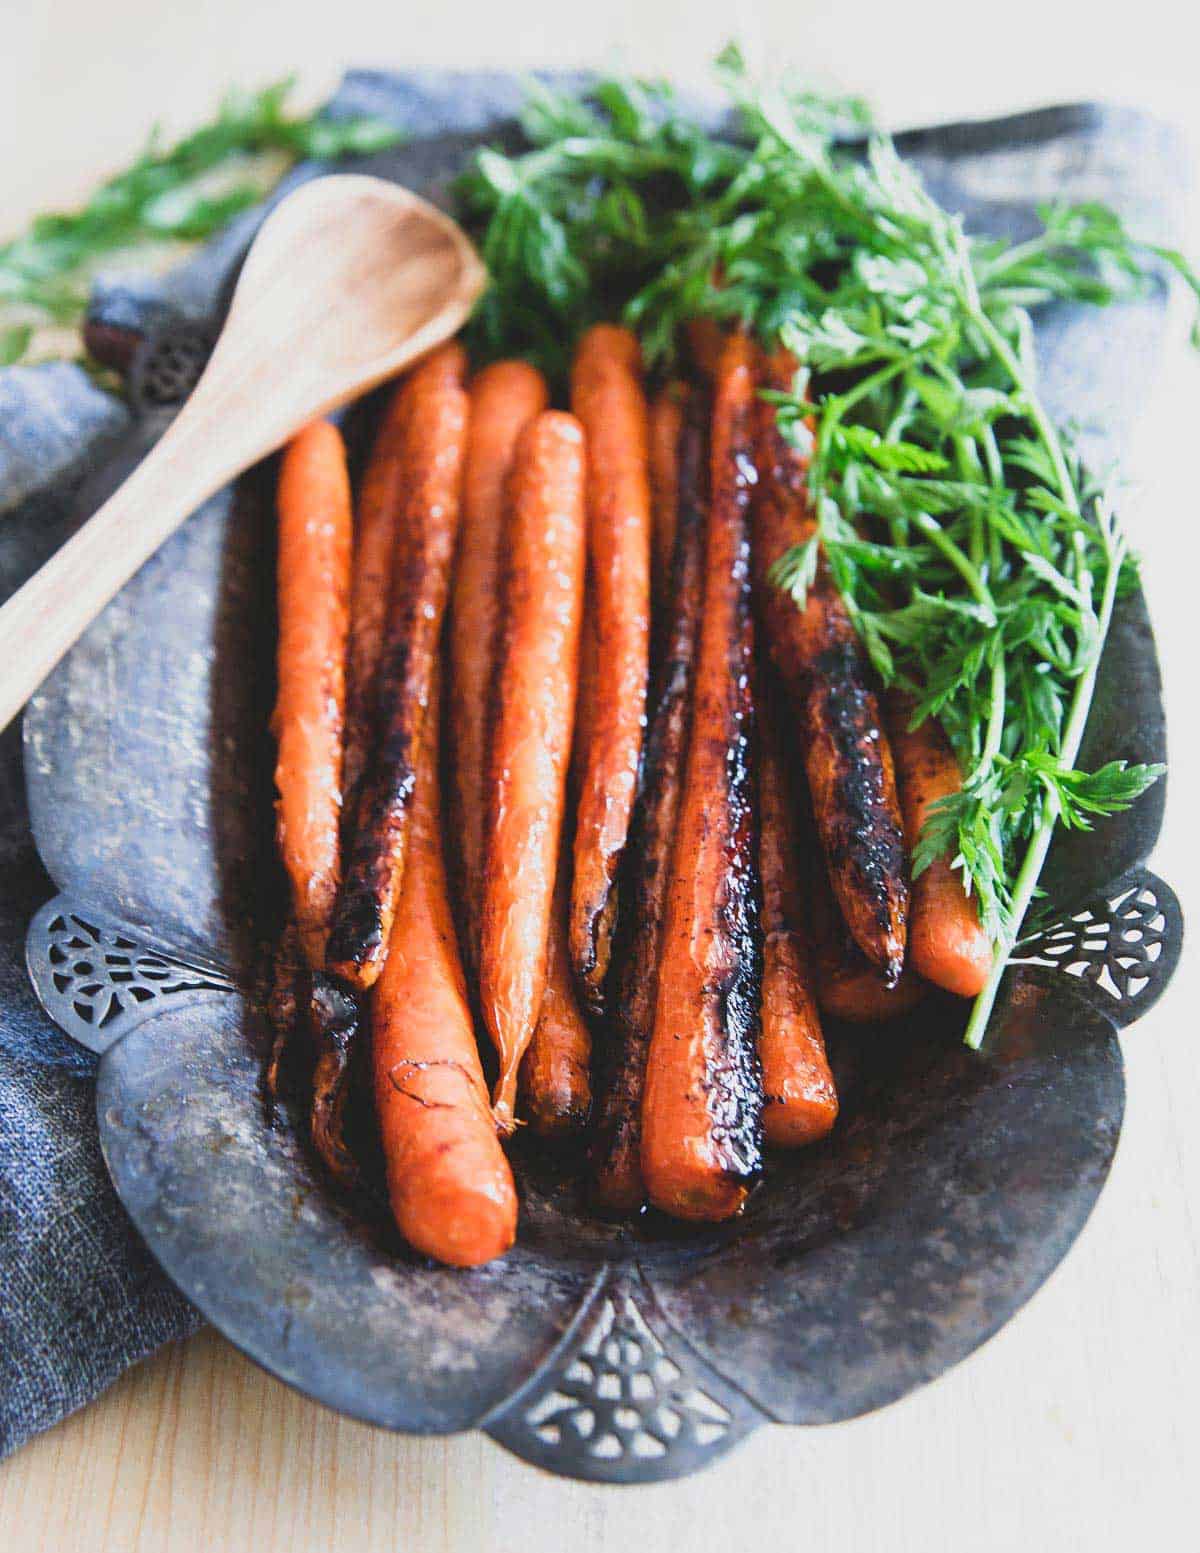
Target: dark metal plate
x=861 y=1269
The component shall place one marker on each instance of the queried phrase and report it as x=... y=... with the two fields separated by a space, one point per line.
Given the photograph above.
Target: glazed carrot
x=435 y=435
x=849 y=987
x=533 y=710
x=706 y=340
x=314 y=589
x=378 y=512
x=702 y=1108
x=450 y=1185
x=616 y=1151
x=556 y=1072
x=666 y=426
x=946 y=940
x=607 y=397
x=288 y=975
x=334 y=1022
x=825 y=670
x=799 y=1099
x=504 y=399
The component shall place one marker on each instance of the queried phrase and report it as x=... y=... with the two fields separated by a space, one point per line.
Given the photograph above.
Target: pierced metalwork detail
x=1123 y=945
x=96 y=981
x=622 y=1401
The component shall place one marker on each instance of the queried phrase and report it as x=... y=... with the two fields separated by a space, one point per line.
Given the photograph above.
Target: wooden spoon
x=349 y=280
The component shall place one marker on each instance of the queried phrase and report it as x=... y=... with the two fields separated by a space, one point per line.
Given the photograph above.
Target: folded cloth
x=80 y=1298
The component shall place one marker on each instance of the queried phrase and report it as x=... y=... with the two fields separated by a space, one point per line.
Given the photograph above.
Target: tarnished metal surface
x=861 y=1268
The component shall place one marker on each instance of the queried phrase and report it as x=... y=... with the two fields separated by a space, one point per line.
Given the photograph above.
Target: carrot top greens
x=977 y=561
x=172 y=194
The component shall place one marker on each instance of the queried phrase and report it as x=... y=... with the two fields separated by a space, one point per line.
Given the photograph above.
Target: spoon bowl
x=350 y=280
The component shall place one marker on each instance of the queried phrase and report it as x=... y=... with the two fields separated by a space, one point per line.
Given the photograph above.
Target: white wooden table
x=1077 y=1427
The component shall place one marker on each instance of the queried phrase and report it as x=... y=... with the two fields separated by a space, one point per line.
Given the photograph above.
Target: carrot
x=533 y=709
x=314 y=588
x=379 y=501
x=702 y=1108
x=607 y=397
x=288 y=974
x=556 y=1072
x=799 y=1099
x=504 y=399
x=824 y=667
x=334 y=1020
x=435 y=437
x=706 y=340
x=451 y=1188
x=946 y=940
x=616 y=1150
x=666 y=426
x=849 y=987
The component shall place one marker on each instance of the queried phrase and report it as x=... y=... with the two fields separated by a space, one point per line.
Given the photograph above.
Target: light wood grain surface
x=1076 y=1427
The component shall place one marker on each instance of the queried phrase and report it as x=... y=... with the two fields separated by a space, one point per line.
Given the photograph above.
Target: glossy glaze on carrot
x=556 y=1072
x=825 y=669
x=375 y=521
x=799 y=1098
x=450 y=1186
x=946 y=941
x=533 y=714
x=666 y=427
x=314 y=610
x=702 y=1107
x=435 y=435
x=504 y=399
x=616 y=1151
x=608 y=398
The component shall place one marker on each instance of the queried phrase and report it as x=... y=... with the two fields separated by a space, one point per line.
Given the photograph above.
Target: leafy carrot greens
x=978 y=563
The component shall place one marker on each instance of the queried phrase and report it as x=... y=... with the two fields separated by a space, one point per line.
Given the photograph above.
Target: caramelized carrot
x=533 y=711
x=799 y=1099
x=702 y=1108
x=334 y=1019
x=504 y=399
x=849 y=987
x=314 y=590
x=450 y=1186
x=288 y=975
x=378 y=512
x=435 y=434
x=607 y=396
x=706 y=340
x=556 y=1073
x=946 y=940
x=616 y=1152
x=825 y=670
x=666 y=426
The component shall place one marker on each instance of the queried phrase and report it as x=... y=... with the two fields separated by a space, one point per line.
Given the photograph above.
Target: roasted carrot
x=504 y=399
x=825 y=670
x=616 y=1150
x=666 y=426
x=334 y=1023
x=375 y=521
x=946 y=940
x=706 y=340
x=849 y=987
x=450 y=1186
x=435 y=434
x=314 y=591
x=702 y=1108
x=288 y=973
x=533 y=710
x=799 y=1099
x=607 y=397
x=556 y=1072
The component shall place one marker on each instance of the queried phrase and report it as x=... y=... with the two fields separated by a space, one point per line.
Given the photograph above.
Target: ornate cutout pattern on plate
x=1122 y=945
x=622 y=1399
x=96 y=981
